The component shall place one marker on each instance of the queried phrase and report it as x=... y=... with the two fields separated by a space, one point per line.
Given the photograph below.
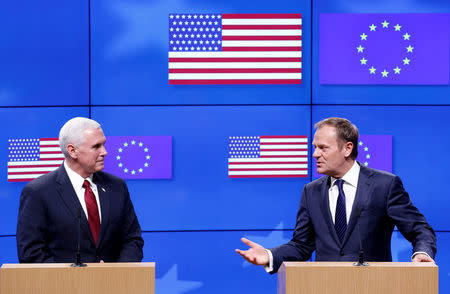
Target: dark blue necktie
x=340 y=220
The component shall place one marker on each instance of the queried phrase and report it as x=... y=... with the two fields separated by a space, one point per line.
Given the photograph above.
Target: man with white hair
x=52 y=205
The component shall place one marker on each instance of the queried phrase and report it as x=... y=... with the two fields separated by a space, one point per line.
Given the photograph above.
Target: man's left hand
x=422 y=258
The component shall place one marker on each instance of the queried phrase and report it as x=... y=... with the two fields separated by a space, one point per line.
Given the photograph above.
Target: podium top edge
x=68 y=265
x=350 y=264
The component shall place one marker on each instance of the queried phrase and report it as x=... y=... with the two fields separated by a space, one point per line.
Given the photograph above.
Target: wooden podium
x=344 y=278
x=96 y=278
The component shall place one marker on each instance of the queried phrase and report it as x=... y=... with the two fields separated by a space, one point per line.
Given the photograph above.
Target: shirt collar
x=76 y=180
x=351 y=177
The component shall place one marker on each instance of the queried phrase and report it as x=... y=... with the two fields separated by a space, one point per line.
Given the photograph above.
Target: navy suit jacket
x=383 y=204
x=47 y=225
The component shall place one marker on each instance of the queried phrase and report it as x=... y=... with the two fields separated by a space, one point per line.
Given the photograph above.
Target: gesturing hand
x=256 y=254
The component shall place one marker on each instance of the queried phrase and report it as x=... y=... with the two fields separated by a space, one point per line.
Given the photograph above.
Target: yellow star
x=373 y=27
x=406 y=61
x=397 y=27
x=397 y=70
x=363 y=61
x=360 y=48
x=406 y=36
x=385 y=24
x=409 y=48
x=363 y=37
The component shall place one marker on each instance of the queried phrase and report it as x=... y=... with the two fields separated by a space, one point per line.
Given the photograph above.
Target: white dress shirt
x=77 y=183
x=350 y=184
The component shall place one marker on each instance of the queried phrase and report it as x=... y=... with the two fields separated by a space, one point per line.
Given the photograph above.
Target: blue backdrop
x=108 y=60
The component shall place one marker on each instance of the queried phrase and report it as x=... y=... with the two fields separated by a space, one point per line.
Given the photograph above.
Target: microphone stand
x=361 y=252
x=78 y=263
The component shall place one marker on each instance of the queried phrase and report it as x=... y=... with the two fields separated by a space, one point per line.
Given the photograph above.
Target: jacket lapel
x=67 y=193
x=363 y=192
x=325 y=208
x=105 y=203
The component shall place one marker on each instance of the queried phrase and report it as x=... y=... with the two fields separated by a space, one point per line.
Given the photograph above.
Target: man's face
x=329 y=154
x=91 y=153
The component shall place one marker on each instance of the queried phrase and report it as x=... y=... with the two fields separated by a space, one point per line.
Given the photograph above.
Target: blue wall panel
x=380 y=94
x=130 y=54
x=44 y=54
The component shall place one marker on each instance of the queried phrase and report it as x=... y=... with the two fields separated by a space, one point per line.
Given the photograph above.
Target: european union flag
x=401 y=49
x=139 y=157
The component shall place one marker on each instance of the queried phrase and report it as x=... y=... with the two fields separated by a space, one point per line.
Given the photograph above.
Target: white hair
x=72 y=132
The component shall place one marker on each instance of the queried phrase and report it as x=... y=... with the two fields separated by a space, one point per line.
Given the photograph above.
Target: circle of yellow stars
x=366 y=156
x=385 y=73
x=133 y=171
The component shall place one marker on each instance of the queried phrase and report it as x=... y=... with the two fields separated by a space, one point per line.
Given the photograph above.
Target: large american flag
x=235 y=49
x=267 y=156
x=31 y=158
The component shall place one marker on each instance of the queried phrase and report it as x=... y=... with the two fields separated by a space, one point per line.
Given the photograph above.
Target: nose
x=316 y=153
x=103 y=151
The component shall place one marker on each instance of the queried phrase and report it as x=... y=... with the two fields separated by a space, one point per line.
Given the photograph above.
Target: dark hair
x=345 y=130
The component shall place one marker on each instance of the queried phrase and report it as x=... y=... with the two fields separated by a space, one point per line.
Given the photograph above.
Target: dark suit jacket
x=383 y=204
x=47 y=226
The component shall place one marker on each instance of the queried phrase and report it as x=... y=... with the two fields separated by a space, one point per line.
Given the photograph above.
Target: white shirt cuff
x=269 y=267
x=419 y=252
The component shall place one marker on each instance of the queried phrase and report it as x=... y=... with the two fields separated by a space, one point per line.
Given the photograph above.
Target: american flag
x=31 y=158
x=235 y=49
x=267 y=156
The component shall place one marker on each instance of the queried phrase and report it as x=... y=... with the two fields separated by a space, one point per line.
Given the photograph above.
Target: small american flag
x=235 y=49
x=31 y=158
x=267 y=156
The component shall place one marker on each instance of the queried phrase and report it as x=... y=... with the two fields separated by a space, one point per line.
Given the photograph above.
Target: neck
x=344 y=169
x=73 y=165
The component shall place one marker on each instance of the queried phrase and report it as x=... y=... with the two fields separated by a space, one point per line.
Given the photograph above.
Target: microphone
x=78 y=263
x=361 y=252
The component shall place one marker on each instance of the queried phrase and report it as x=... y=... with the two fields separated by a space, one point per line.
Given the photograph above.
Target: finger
x=249 y=243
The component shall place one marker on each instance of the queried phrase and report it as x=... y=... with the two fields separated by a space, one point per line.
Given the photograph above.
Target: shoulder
x=43 y=181
x=316 y=185
x=109 y=179
x=377 y=175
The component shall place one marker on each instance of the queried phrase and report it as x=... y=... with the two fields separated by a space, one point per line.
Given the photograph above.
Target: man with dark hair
x=349 y=194
x=52 y=206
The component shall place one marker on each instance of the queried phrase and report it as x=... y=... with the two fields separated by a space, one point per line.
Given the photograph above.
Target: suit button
x=341 y=253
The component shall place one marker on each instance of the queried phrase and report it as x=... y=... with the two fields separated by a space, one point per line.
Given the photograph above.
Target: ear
x=348 y=148
x=72 y=151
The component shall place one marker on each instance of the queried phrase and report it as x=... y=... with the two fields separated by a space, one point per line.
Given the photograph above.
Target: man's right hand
x=256 y=254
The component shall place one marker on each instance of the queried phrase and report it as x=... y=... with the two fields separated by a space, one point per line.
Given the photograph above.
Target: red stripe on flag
x=49 y=146
x=235 y=70
x=297 y=149
x=47 y=159
x=278 y=156
x=281 y=143
x=236 y=59
x=264 y=169
x=233 y=82
x=261 y=38
x=268 y=176
x=20 y=180
x=49 y=139
x=261 y=27
x=51 y=152
x=34 y=166
x=282 y=136
x=268 y=162
x=260 y=15
x=28 y=173
x=261 y=48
